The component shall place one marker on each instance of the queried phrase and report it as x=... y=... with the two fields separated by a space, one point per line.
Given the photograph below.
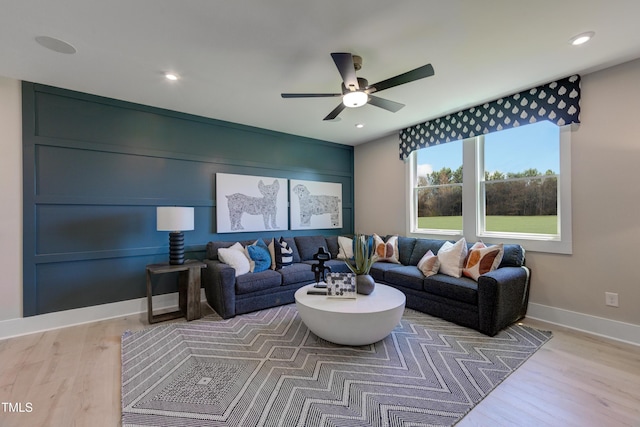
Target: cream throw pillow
x=452 y=257
x=386 y=251
x=272 y=253
x=235 y=257
x=429 y=264
x=345 y=246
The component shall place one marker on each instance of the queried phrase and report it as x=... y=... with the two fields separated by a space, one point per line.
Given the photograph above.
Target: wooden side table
x=188 y=290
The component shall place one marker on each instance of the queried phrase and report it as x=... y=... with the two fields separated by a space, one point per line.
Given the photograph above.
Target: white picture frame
x=315 y=204
x=250 y=203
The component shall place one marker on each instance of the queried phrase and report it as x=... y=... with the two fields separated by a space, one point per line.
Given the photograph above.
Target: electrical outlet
x=611 y=299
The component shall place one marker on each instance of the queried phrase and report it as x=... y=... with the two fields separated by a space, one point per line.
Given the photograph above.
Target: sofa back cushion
x=405 y=248
x=212 y=247
x=422 y=246
x=514 y=256
x=308 y=246
x=332 y=243
x=292 y=244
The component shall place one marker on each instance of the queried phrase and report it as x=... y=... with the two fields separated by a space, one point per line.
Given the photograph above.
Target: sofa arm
x=219 y=281
x=503 y=296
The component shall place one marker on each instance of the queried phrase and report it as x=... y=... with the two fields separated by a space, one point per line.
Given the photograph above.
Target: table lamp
x=175 y=219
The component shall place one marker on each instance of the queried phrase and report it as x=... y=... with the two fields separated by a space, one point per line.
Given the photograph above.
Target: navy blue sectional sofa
x=498 y=299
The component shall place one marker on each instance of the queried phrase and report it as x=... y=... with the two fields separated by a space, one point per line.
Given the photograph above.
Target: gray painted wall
x=606 y=201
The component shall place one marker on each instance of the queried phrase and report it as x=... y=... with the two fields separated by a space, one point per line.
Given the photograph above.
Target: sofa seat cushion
x=460 y=289
x=408 y=276
x=252 y=282
x=379 y=269
x=337 y=265
x=296 y=273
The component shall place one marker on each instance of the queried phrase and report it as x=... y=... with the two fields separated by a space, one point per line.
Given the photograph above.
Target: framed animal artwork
x=315 y=205
x=250 y=203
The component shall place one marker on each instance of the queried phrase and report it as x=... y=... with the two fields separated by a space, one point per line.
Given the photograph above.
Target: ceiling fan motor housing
x=357 y=62
x=363 y=83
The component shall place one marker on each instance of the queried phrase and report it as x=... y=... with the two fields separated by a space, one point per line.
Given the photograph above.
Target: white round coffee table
x=361 y=321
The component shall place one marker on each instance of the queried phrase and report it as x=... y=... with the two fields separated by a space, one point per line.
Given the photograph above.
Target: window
x=516 y=188
x=519 y=181
x=438 y=193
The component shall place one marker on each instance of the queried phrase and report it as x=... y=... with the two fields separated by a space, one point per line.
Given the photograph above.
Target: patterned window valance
x=558 y=102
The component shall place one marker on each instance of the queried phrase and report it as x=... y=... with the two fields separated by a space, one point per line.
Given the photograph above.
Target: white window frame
x=473 y=203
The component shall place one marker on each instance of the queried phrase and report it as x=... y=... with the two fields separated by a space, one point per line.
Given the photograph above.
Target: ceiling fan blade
x=409 y=76
x=332 y=115
x=309 y=95
x=385 y=104
x=344 y=62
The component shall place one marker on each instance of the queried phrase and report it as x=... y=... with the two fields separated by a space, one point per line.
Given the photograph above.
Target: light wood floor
x=71 y=377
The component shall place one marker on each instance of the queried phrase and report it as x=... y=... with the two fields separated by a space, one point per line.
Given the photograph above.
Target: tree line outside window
x=513 y=183
x=526 y=193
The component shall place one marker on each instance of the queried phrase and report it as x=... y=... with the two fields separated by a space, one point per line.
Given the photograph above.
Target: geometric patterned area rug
x=267 y=369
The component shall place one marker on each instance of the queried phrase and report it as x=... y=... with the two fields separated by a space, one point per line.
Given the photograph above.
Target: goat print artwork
x=320 y=208
x=246 y=211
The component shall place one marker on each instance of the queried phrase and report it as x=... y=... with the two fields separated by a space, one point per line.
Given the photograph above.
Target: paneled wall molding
x=159 y=112
x=160 y=250
x=146 y=152
x=94 y=170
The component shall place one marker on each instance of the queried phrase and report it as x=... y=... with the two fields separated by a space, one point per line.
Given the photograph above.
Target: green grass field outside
x=510 y=224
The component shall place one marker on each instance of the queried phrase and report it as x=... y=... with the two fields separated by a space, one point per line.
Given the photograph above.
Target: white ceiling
x=235 y=57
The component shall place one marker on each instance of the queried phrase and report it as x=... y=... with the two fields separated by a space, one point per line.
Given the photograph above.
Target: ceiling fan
x=357 y=91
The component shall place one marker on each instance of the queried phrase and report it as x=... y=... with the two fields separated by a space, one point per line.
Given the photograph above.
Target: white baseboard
x=619 y=331
x=613 y=329
x=61 y=319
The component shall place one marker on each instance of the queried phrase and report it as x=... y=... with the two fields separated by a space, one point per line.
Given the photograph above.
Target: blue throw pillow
x=259 y=254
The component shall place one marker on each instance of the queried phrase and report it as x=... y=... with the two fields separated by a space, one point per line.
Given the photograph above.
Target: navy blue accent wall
x=96 y=168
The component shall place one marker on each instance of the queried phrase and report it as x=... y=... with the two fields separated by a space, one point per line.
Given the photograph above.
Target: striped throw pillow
x=283 y=253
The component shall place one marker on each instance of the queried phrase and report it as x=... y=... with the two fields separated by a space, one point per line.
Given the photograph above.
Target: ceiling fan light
x=355 y=99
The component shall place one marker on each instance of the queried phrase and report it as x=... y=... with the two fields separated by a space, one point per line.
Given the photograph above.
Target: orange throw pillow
x=483 y=260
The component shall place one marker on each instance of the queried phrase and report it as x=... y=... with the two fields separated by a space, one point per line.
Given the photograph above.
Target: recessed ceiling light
x=581 y=38
x=171 y=76
x=359 y=125
x=55 y=45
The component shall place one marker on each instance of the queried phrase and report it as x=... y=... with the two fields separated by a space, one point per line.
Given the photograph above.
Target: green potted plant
x=360 y=265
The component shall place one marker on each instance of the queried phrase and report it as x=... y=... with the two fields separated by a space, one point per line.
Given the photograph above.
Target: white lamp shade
x=174 y=218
